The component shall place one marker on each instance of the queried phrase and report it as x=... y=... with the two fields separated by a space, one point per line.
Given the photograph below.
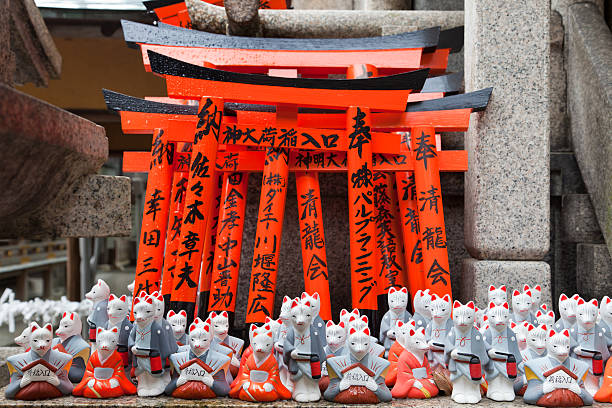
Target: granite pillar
x=507 y=203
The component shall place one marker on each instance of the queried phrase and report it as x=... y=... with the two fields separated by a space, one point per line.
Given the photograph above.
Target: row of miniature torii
x=347 y=357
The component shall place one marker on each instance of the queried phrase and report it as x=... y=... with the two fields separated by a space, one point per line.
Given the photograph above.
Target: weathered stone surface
x=565 y=174
x=242 y=17
x=437 y=4
x=559 y=140
x=478 y=275
x=579 y=220
x=322 y=4
x=7 y=68
x=382 y=4
x=36 y=59
x=563 y=6
x=594 y=271
x=507 y=184
x=589 y=58
x=325 y=23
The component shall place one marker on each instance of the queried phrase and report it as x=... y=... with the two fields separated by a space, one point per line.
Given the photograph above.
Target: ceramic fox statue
x=556 y=380
x=279 y=340
x=589 y=343
x=336 y=341
x=414 y=375
x=147 y=344
x=521 y=307
x=271 y=326
x=258 y=380
x=536 y=297
x=504 y=355
x=118 y=310
x=200 y=369
x=167 y=333
x=398 y=301
x=605 y=391
x=545 y=316
x=105 y=376
x=98 y=317
x=536 y=348
x=605 y=310
x=226 y=344
x=422 y=312
x=69 y=341
x=303 y=353
x=567 y=312
x=178 y=322
x=23 y=339
x=497 y=295
x=40 y=373
x=466 y=355
x=402 y=331
x=436 y=334
x=361 y=323
x=359 y=377
x=315 y=305
x=520 y=330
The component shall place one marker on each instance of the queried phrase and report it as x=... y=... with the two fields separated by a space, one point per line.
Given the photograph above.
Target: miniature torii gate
x=246 y=153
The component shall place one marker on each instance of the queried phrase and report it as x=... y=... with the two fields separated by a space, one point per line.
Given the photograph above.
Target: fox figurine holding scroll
x=105 y=376
x=41 y=372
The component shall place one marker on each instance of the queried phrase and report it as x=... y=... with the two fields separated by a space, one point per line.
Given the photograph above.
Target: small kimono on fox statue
x=200 y=369
x=104 y=375
x=41 y=372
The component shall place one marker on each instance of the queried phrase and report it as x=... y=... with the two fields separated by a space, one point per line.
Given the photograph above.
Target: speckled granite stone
x=382 y=4
x=324 y=23
x=579 y=220
x=593 y=271
x=437 y=4
x=478 y=275
x=589 y=58
x=563 y=6
x=507 y=184
x=559 y=135
x=322 y=4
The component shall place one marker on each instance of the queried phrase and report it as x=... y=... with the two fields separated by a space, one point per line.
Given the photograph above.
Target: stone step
x=593 y=271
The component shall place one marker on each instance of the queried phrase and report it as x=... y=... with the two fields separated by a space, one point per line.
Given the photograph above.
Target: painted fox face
x=546 y=317
x=567 y=308
x=416 y=340
x=144 y=310
x=301 y=315
x=335 y=334
x=314 y=300
x=536 y=295
x=100 y=291
x=200 y=338
x=274 y=325
x=285 y=311
x=69 y=325
x=521 y=303
x=586 y=313
x=463 y=315
x=359 y=342
x=118 y=308
x=41 y=338
x=536 y=338
x=345 y=315
x=398 y=299
x=520 y=330
x=106 y=340
x=422 y=302
x=262 y=339
x=358 y=323
x=159 y=304
x=498 y=316
x=497 y=295
x=23 y=339
x=178 y=321
x=606 y=309
x=440 y=308
x=558 y=344
x=402 y=331
x=220 y=324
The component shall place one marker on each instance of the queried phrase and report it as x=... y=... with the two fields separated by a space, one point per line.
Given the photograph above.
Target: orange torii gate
x=384 y=150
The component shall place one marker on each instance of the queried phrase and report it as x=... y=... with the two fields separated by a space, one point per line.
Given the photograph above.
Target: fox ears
x=469 y=304
x=492 y=288
x=100 y=330
x=71 y=314
x=393 y=290
x=194 y=326
x=366 y=331
x=564 y=332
